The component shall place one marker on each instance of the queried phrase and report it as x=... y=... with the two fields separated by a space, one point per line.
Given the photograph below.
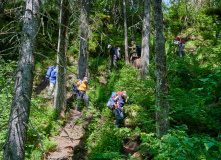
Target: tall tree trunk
x=1 y=17
x=186 y=6
x=187 y=12
x=84 y=39
x=125 y=35
x=145 y=52
x=132 y=28
x=60 y=88
x=1 y=13
x=162 y=105
x=113 y=12
x=20 y=108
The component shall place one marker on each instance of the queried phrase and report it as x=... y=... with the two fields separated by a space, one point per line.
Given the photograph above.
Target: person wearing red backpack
x=120 y=99
x=181 y=41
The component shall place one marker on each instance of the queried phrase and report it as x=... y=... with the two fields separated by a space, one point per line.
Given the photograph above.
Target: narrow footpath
x=70 y=146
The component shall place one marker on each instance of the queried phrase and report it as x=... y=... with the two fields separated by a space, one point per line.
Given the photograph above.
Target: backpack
x=75 y=86
x=118 y=53
x=48 y=73
x=113 y=99
x=138 y=50
x=177 y=40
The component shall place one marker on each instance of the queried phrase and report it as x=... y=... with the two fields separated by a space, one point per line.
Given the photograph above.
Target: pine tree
x=84 y=39
x=161 y=84
x=125 y=34
x=60 y=89
x=145 y=37
x=20 y=107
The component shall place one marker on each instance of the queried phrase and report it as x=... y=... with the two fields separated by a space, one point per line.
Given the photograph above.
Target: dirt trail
x=74 y=150
x=65 y=148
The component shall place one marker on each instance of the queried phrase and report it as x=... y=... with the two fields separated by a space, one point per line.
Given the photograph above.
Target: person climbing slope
x=52 y=79
x=113 y=56
x=81 y=94
x=119 y=99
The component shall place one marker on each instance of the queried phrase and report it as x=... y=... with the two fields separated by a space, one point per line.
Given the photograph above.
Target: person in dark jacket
x=113 y=56
x=118 y=108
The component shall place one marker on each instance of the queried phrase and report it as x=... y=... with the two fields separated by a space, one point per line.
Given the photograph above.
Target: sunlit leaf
x=208 y=145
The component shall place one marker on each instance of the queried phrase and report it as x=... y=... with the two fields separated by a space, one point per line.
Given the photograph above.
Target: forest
x=110 y=79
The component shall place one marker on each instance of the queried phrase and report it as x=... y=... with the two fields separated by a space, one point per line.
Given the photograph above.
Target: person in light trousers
x=52 y=83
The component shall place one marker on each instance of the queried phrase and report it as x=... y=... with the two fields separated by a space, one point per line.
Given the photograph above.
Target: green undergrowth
x=41 y=125
x=178 y=145
x=194 y=116
x=44 y=126
x=105 y=141
x=7 y=69
x=194 y=109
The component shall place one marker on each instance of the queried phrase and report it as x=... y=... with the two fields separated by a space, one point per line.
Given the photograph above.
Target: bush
x=104 y=143
x=177 y=145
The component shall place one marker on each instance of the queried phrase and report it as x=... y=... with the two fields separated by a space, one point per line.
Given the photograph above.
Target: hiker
x=133 y=51
x=120 y=99
x=52 y=79
x=82 y=87
x=48 y=74
x=113 y=56
x=177 y=40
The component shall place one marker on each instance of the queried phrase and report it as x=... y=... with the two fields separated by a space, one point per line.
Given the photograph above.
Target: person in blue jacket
x=118 y=108
x=52 y=83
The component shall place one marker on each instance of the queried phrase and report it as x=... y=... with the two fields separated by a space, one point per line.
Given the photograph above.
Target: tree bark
x=20 y=107
x=132 y=28
x=145 y=38
x=125 y=35
x=162 y=105
x=84 y=39
x=113 y=13
x=60 y=88
x=1 y=13
x=1 y=17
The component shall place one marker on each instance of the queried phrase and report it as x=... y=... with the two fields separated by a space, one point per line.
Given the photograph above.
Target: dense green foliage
x=6 y=69
x=195 y=86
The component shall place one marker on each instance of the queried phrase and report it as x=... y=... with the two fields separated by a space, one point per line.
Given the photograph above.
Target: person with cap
x=113 y=56
x=133 y=51
x=81 y=94
x=52 y=83
x=122 y=98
